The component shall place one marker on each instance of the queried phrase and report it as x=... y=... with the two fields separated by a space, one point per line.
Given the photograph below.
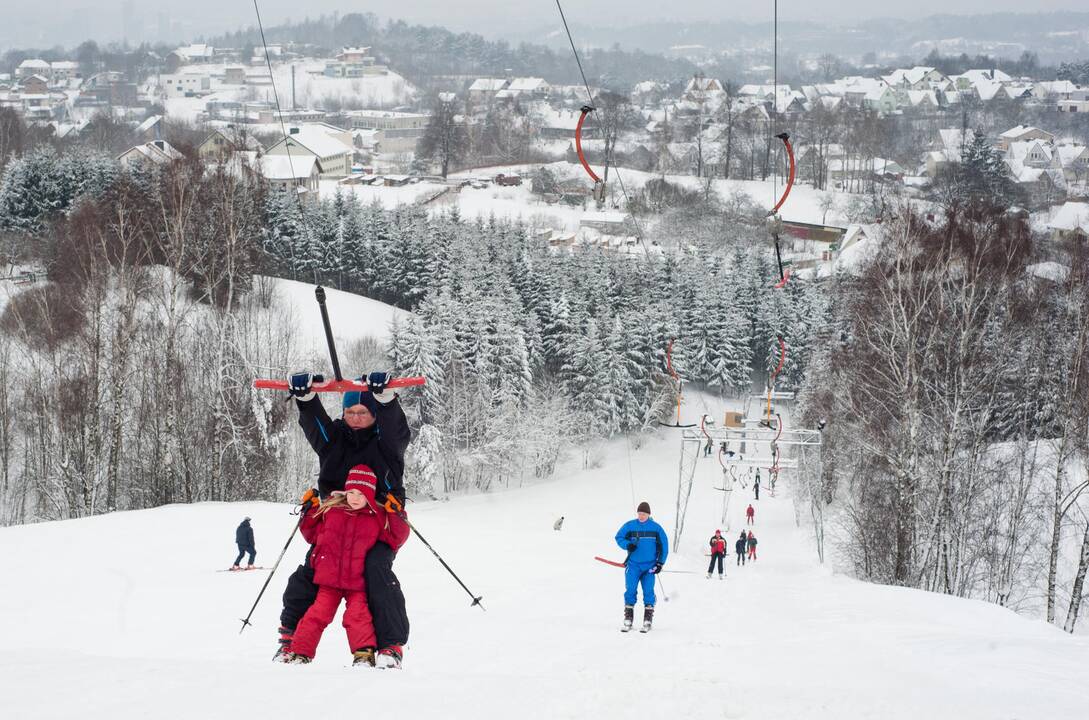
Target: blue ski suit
x=652 y=546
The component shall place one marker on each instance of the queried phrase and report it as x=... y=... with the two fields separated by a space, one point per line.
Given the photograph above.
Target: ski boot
x=284 y=651
x=648 y=617
x=363 y=656
x=297 y=659
x=251 y=566
x=390 y=657
x=721 y=576
x=232 y=568
x=708 y=576
x=629 y=618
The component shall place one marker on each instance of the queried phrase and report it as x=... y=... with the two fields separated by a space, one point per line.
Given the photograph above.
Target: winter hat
x=718 y=532
x=363 y=479
x=361 y=397
x=643 y=507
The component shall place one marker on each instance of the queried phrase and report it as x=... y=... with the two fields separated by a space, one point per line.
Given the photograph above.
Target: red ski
x=614 y=563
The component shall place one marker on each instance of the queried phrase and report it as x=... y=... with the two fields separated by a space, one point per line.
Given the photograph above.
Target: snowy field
x=351 y=316
x=311 y=90
x=124 y=616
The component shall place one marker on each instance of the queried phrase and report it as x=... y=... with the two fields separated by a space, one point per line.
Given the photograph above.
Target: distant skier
x=343 y=529
x=374 y=432
x=756 y=485
x=750 y=515
x=752 y=546
x=647 y=547
x=243 y=537
x=558 y=525
x=739 y=547
x=718 y=552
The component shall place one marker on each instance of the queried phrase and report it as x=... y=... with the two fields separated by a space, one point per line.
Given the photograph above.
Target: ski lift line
x=785 y=137
x=276 y=95
x=599 y=184
x=563 y=17
x=778 y=369
x=586 y=110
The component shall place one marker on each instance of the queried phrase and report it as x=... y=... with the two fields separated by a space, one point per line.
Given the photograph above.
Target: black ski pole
x=476 y=598
x=319 y=293
x=246 y=620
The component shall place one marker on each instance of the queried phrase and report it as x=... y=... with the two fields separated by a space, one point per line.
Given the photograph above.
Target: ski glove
x=377 y=382
x=632 y=547
x=310 y=497
x=300 y=385
x=656 y=569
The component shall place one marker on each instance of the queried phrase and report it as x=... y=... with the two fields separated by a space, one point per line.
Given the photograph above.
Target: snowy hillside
x=124 y=616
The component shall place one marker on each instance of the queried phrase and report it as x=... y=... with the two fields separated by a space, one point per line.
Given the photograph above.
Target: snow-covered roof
x=488 y=85
x=952 y=140
x=1069 y=153
x=317 y=140
x=34 y=63
x=1019 y=131
x=990 y=75
x=158 y=151
x=283 y=167
x=909 y=76
x=527 y=84
x=1071 y=216
x=148 y=123
x=1021 y=149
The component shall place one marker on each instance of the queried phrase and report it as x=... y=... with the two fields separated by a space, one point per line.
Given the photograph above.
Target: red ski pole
x=338 y=385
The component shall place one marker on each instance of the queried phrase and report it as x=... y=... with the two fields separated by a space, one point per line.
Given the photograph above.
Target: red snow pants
x=357 y=620
x=752 y=552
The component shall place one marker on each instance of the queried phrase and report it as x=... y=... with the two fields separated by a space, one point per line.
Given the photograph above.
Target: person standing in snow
x=343 y=530
x=756 y=485
x=243 y=537
x=739 y=547
x=718 y=552
x=750 y=515
x=647 y=547
x=752 y=546
x=373 y=432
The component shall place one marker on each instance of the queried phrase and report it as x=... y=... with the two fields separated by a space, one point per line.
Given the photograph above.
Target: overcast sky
x=23 y=22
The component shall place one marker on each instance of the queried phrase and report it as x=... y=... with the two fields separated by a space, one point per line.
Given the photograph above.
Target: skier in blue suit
x=647 y=547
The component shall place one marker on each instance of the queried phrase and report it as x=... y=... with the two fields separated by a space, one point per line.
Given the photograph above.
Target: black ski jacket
x=381 y=446
x=739 y=546
x=244 y=535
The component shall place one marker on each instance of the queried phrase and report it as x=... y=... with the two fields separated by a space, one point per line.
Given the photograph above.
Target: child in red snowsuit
x=749 y=514
x=342 y=530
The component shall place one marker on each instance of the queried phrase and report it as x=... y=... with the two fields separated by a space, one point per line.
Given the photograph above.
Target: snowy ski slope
x=124 y=616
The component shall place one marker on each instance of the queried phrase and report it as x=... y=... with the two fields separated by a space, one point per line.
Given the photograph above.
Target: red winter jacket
x=718 y=544
x=342 y=537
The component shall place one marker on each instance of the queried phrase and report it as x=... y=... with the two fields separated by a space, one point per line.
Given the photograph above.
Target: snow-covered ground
x=124 y=616
x=351 y=316
x=311 y=89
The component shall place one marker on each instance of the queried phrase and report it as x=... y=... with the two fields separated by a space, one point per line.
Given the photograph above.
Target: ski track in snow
x=124 y=616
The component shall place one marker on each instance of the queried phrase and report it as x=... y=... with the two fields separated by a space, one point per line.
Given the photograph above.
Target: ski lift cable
x=599 y=184
x=276 y=97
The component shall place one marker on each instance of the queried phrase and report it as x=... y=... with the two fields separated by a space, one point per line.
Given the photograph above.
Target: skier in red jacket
x=750 y=514
x=718 y=552
x=343 y=529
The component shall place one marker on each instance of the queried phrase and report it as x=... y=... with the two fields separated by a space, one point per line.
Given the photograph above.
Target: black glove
x=656 y=569
x=300 y=385
x=632 y=547
x=377 y=381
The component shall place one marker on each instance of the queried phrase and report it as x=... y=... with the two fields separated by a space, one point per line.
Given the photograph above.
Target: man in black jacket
x=243 y=537
x=374 y=432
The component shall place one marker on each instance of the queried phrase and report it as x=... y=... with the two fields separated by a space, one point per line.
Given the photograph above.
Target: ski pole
x=658 y=578
x=246 y=620
x=319 y=292
x=476 y=598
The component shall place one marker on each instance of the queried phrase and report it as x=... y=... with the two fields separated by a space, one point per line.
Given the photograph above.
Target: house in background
x=1022 y=133
x=300 y=173
x=226 y=140
x=320 y=141
x=157 y=152
x=1071 y=222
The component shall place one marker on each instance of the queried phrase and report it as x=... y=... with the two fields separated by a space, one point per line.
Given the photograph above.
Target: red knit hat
x=363 y=479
